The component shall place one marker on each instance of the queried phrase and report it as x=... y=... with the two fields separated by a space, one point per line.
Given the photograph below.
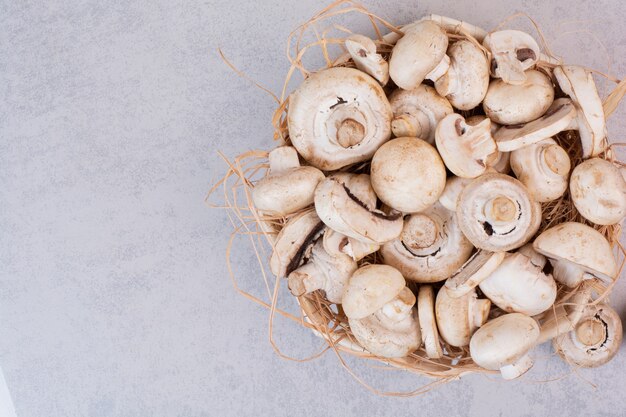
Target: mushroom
x=428 y=323
x=293 y=241
x=511 y=104
x=496 y=213
x=464 y=148
x=322 y=272
x=497 y=160
x=337 y=117
x=457 y=27
x=288 y=187
x=503 y=344
x=517 y=285
x=578 y=84
x=558 y=117
x=430 y=248
x=477 y=268
x=362 y=50
x=380 y=311
x=595 y=340
x=458 y=318
x=535 y=257
x=450 y=195
x=513 y=53
x=466 y=81
x=598 y=191
x=566 y=315
x=419 y=54
x=576 y=252
x=543 y=168
x=408 y=174
x=343 y=212
x=417 y=112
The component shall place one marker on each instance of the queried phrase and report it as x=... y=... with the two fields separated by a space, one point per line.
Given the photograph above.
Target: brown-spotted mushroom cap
x=430 y=248
x=362 y=50
x=558 y=117
x=474 y=271
x=417 y=112
x=322 y=272
x=463 y=147
x=517 y=285
x=543 y=168
x=288 y=187
x=598 y=191
x=337 y=117
x=466 y=81
x=428 y=322
x=496 y=213
x=452 y=191
x=578 y=84
x=513 y=52
x=343 y=212
x=408 y=174
x=509 y=104
x=419 y=52
x=458 y=318
x=577 y=252
x=503 y=344
x=595 y=340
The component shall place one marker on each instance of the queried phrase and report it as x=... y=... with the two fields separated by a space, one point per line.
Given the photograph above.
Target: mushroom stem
x=305 y=279
x=413 y=125
x=562 y=320
x=479 y=312
x=568 y=273
x=517 y=368
x=283 y=158
x=441 y=68
x=397 y=309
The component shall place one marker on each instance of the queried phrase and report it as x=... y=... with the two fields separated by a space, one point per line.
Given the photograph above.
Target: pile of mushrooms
x=412 y=186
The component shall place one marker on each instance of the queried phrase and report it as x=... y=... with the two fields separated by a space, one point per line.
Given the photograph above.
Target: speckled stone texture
x=114 y=295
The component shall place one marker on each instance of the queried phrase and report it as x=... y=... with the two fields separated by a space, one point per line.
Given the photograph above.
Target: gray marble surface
x=114 y=296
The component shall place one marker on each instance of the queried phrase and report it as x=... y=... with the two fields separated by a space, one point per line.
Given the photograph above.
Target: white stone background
x=114 y=295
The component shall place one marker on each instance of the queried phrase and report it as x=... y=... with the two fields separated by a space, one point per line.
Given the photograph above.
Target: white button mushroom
x=362 y=50
x=408 y=174
x=598 y=191
x=577 y=252
x=428 y=323
x=430 y=248
x=513 y=52
x=517 y=285
x=343 y=212
x=466 y=82
x=450 y=195
x=420 y=52
x=503 y=344
x=288 y=187
x=477 y=268
x=458 y=318
x=566 y=315
x=322 y=272
x=595 y=340
x=417 y=112
x=498 y=160
x=578 y=84
x=496 y=213
x=543 y=168
x=380 y=311
x=337 y=117
x=510 y=104
x=463 y=147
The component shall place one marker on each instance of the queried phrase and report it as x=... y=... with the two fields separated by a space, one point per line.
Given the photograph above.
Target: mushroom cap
x=514 y=52
x=343 y=212
x=510 y=104
x=336 y=244
x=477 y=268
x=430 y=248
x=370 y=288
x=417 y=53
x=580 y=245
x=463 y=147
x=598 y=191
x=578 y=84
x=555 y=120
x=417 y=112
x=408 y=174
x=362 y=50
x=428 y=323
x=458 y=318
x=360 y=185
x=519 y=286
x=496 y=213
x=543 y=168
x=466 y=82
x=450 y=195
x=292 y=242
x=503 y=340
x=595 y=339
x=337 y=117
